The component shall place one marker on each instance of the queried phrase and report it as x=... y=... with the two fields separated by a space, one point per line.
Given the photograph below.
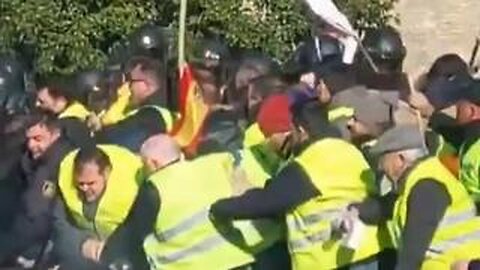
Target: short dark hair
x=150 y=66
x=91 y=154
x=55 y=84
x=43 y=118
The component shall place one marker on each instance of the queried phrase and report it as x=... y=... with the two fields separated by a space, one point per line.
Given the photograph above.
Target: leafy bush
x=68 y=35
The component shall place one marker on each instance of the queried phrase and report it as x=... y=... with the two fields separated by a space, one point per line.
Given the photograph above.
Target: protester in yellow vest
x=53 y=96
x=258 y=90
x=433 y=222
x=98 y=186
x=312 y=192
x=145 y=115
x=172 y=222
x=116 y=111
x=108 y=95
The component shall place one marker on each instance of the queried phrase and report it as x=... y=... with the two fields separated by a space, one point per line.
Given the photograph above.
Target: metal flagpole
x=181 y=34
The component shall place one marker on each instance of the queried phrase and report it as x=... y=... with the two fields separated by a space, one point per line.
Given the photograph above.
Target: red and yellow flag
x=193 y=112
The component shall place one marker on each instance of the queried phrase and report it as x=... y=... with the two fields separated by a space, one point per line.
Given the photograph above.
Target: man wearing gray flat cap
x=371 y=114
x=433 y=221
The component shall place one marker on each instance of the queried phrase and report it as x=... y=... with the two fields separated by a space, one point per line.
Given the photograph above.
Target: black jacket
x=31 y=225
x=134 y=130
x=75 y=131
x=68 y=240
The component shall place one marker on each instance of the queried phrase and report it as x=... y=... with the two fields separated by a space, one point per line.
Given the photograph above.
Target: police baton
x=473 y=64
x=362 y=48
x=366 y=54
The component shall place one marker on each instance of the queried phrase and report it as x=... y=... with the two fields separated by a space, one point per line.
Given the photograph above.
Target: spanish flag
x=193 y=112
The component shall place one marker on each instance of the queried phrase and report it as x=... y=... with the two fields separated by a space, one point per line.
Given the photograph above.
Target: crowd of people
x=244 y=163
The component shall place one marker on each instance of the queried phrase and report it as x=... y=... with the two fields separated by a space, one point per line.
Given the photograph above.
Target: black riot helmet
x=13 y=95
x=156 y=42
x=118 y=55
x=313 y=53
x=210 y=59
x=86 y=82
x=385 y=46
x=149 y=40
x=100 y=87
x=209 y=53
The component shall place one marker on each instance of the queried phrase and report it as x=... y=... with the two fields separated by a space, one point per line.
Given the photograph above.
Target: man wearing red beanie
x=274 y=116
x=312 y=192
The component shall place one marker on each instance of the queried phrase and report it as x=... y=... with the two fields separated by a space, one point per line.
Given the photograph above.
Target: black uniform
x=75 y=131
x=11 y=184
x=31 y=225
x=134 y=130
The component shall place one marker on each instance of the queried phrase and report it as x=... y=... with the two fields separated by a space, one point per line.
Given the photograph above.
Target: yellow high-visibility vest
x=340 y=172
x=470 y=169
x=118 y=197
x=117 y=111
x=458 y=236
x=185 y=238
x=167 y=117
x=75 y=110
x=253 y=136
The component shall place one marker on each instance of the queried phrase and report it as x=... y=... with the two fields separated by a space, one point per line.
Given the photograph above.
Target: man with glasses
x=145 y=116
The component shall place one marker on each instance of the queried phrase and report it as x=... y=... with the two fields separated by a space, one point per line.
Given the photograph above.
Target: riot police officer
x=210 y=59
x=13 y=94
x=154 y=42
x=386 y=48
x=313 y=53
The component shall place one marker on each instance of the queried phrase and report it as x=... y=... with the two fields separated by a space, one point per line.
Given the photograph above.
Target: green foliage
x=69 y=35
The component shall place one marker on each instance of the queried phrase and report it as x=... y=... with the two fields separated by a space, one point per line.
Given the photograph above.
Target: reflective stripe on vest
x=324 y=235
x=204 y=246
x=454 y=219
x=184 y=226
x=438 y=249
